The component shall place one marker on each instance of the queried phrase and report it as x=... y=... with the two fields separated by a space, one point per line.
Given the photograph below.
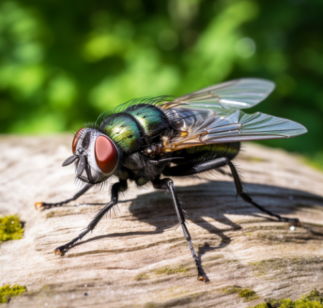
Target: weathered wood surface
x=135 y=258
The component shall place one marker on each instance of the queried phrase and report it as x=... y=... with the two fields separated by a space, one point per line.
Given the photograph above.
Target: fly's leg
x=116 y=188
x=168 y=184
x=45 y=205
x=191 y=169
x=223 y=172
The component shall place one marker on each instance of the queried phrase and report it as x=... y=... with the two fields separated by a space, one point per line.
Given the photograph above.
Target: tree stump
x=136 y=258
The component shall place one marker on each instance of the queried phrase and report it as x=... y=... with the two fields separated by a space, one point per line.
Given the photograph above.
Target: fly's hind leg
x=190 y=169
x=45 y=205
x=223 y=172
x=116 y=188
x=168 y=184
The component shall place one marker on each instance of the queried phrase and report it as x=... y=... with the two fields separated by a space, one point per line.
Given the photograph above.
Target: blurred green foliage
x=63 y=63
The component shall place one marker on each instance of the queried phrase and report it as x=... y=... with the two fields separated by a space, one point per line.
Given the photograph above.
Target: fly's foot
x=201 y=278
x=42 y=206
x=38 y=205
x=295 y=222
x=200 y=272
x=60 y=250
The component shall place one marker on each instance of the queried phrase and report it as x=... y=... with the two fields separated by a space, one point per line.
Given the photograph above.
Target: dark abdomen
x=208 y=152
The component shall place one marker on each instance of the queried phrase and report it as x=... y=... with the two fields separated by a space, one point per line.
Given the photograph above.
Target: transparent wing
x=234 y=94
x=195 y=127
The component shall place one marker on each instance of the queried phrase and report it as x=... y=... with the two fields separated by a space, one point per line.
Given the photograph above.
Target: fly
x=145 y=139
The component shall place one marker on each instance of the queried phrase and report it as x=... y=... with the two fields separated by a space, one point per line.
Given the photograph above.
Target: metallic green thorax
x=131 y=128
x=150 y=118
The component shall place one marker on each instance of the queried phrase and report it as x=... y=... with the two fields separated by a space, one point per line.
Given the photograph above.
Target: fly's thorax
x=151 y=118
x=95 y=155
x=124 y=131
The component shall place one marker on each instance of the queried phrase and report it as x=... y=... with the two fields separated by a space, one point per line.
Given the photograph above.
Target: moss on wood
x=10 y=228
x=170 y=271
x=247 y=294
x=312 y=300
x=231 y=289
x=6 y=292
x=142 y=276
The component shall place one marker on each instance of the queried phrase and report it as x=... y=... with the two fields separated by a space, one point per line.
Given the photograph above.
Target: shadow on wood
x=157 y=210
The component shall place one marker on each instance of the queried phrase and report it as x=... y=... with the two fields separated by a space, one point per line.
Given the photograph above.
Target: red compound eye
x=76 y=138
x=106 y=154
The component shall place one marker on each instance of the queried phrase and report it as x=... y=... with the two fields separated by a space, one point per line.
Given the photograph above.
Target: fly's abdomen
x=233 y=150
x=151 y=119
x=210 y=151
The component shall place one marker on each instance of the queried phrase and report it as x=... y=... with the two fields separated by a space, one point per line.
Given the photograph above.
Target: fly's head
x=95 y=155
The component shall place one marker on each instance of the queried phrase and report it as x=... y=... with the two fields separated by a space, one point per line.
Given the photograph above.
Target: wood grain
x=135 y=258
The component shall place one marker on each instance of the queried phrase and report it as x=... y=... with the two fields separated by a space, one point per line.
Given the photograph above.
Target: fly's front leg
x=191 y=169
x=45 y=205
x=168 y=184
x=116 y=188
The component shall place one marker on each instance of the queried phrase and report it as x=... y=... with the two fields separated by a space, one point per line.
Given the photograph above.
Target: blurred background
x=63 y=63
